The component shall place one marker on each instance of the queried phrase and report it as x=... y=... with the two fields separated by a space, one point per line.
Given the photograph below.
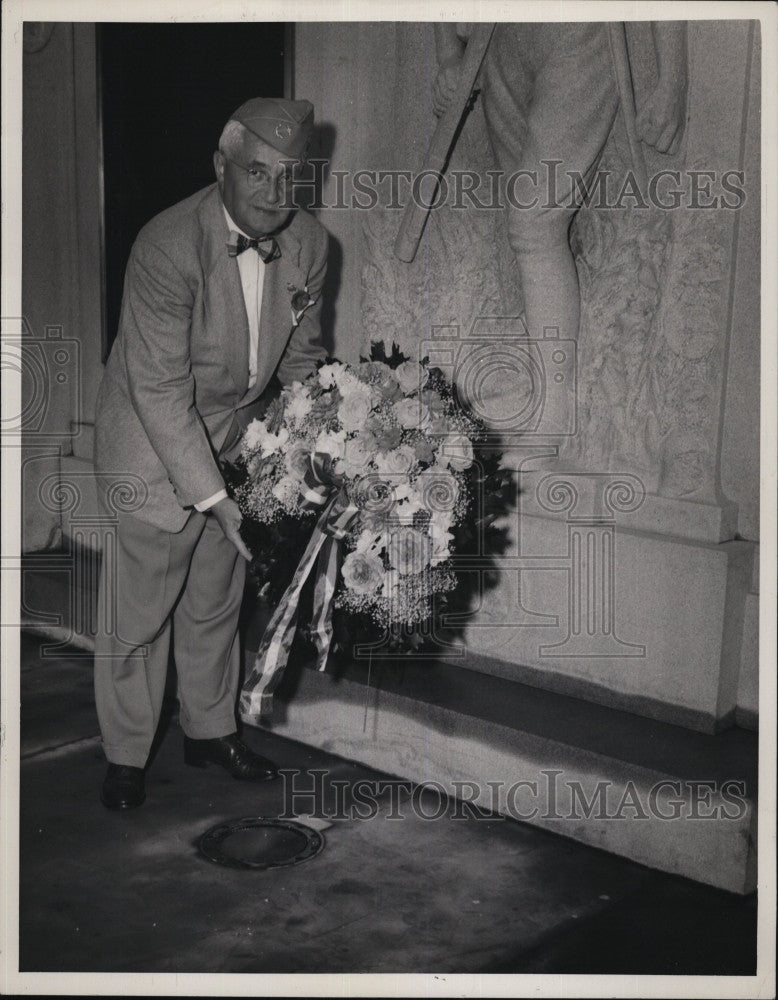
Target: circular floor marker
x=256 y=843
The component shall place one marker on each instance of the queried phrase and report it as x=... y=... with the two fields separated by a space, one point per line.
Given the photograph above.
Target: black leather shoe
x=233 y=755
x=123 y=787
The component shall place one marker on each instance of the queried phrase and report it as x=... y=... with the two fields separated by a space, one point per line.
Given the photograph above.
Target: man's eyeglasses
x=261 y=177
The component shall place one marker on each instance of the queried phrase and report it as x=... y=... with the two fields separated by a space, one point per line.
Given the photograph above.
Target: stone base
x=593 y=774
x=635 y=620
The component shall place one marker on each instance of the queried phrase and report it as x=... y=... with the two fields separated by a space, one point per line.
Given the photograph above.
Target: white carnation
x=327 y=374
x=258 y=436
x=331 y=443
x=298 y=407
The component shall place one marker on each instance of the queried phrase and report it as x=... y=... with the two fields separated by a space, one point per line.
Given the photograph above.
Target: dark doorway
x=166 y=92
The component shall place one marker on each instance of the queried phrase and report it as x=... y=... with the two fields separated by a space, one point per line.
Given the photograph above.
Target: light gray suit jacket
x=177 y=377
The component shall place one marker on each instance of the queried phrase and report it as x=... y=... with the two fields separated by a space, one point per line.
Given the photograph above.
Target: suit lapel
x=226 y=305
x=282 y=278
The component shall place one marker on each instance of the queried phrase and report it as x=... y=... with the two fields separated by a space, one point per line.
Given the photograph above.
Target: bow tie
x=237 y=243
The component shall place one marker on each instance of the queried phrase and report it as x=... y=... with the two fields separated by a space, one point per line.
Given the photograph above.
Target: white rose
x=391 y=468
x=362 y=573
x=412 y=376
x=410 y=413
x=440 y=537
x=356 y=457
x=297 y=460
x=400 y=461
x=456 y=451
x=346 y=380
x=354 y=410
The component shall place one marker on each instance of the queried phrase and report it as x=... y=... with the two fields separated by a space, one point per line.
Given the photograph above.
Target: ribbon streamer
x=323 y=490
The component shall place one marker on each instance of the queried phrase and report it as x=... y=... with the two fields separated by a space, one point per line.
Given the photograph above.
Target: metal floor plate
x=258 y=844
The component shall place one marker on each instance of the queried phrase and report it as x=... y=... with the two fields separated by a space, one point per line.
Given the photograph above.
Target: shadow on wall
x=331 y=289
x=309 y=196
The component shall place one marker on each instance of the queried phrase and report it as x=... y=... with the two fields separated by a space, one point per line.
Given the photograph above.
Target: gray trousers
x=155 y=583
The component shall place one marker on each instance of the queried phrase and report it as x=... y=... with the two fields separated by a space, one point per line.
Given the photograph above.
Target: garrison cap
x=284 y=125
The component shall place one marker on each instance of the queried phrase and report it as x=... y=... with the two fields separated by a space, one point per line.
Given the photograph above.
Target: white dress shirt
x=252 y=280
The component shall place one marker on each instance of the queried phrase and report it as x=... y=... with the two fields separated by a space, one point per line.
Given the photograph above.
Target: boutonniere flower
x=301 y=301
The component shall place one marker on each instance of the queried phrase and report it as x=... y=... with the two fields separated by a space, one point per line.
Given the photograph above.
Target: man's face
x=253 y=200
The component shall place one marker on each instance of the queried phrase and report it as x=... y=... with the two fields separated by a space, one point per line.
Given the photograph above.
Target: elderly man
x=206 y=322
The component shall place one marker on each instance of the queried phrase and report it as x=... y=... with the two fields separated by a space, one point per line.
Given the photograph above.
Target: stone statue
x=550 y=96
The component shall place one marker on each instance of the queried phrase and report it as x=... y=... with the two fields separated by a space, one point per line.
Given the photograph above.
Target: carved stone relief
x=654 y=289
x=654 y=292
x=464 y=268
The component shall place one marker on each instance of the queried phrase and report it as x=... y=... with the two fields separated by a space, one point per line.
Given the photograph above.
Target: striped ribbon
x=321 y=490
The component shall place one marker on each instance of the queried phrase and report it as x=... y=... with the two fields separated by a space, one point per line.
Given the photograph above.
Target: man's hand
x=228 y=514
x=446 y=83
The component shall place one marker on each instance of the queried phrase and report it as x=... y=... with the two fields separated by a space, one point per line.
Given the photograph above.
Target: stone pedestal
x=626 y=616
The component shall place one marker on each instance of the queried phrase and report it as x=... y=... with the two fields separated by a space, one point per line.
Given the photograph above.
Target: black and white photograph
x=388 y=451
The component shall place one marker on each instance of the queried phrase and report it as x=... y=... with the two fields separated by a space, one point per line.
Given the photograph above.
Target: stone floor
x=107 y=892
